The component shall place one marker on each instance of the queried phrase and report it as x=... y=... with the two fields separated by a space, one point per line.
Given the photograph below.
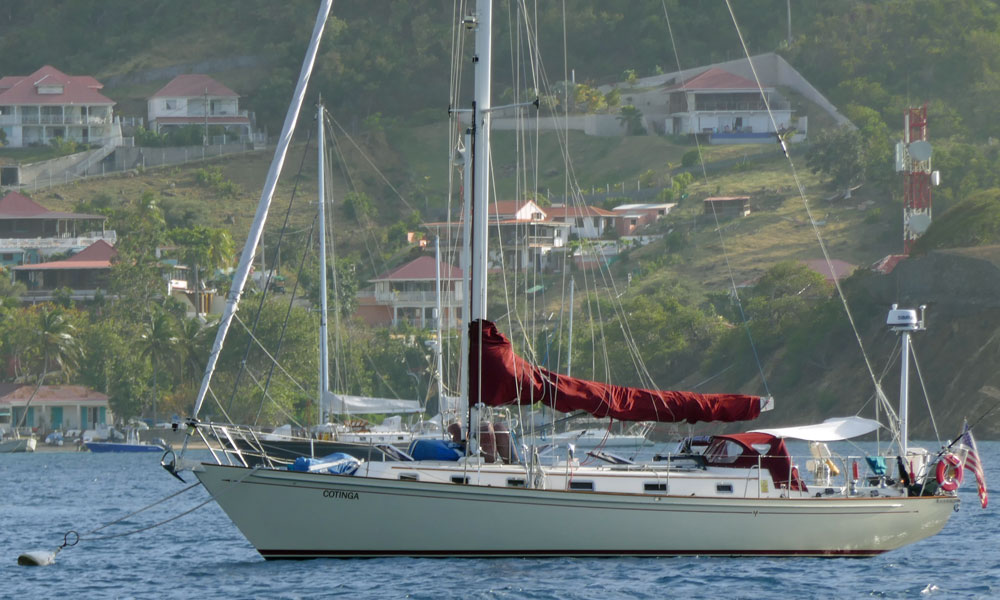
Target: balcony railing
x=394 y=297
x=739 y=106
x=59 y=244
x=53 y=120
x=199 y=112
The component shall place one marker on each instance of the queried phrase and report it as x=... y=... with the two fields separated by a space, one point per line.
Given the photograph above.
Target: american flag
x=972 y=463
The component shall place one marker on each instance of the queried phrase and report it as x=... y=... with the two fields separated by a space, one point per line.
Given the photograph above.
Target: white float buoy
x=44 y=558
x=37 y=558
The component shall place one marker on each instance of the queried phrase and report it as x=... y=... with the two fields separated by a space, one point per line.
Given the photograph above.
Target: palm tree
x=53 y=338
x=193 y=344
x=158 y=343
x=203 y=248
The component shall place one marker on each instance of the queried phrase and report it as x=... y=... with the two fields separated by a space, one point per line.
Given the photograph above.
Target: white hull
x=18 y=445
x=324 y=515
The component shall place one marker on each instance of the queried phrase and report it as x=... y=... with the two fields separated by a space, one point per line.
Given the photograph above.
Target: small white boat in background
x=18 y=444
x=601 y=437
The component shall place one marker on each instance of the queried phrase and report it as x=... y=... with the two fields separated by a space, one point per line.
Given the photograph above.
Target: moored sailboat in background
x=355 y=437
x=736 y=494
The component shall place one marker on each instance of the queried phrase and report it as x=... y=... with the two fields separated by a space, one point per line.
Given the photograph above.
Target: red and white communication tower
x=913 y=158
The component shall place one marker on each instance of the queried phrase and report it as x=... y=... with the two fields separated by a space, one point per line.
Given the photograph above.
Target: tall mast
x=438 y=346
x=465 y=261
x=481 y=155
x=324 y=350
x=257 y=228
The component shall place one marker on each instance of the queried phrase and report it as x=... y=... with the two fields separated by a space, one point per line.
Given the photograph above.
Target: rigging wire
x=801 y=190
x=338 y=348
x=271 y=271
x=284 y=326
x=725 y=252
x=927 y=398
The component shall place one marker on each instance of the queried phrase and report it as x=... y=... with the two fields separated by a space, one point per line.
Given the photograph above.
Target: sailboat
x=738 y=494
x=327 y=438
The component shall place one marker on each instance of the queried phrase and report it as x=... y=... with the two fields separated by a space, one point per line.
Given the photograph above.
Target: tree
x=157 y=345
x=838 y=153
x=877 y=142
x=359 y=207
x=782 y=297
x=203 y=248
x=631 y=118
x=136 y=277
x=613 y=98
x=53 y=339
x=194 y=340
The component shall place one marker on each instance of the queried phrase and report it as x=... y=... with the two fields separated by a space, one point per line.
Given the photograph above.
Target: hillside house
x=727 y=207
x=408 y=294
x=632 y=217
x=55 y=407
x=29 y=232
x=586 y=222
x=86 y=273
x=527 y=235
x=48 y=104
x=197 y=100
x=727 y=108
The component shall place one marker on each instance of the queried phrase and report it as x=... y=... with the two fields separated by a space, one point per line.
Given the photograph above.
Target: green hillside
x=384 y=72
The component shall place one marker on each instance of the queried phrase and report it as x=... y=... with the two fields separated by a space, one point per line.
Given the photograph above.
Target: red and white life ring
x=950 y=472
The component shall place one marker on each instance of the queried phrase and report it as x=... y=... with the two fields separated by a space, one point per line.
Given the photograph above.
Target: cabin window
x=407 y=476
x=582 y=485
x=655 y=488
x=724 y=451
x=459 y=479
x=724 y=488
x=515 y=482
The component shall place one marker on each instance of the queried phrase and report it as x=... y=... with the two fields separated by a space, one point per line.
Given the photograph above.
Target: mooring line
x=132 y=514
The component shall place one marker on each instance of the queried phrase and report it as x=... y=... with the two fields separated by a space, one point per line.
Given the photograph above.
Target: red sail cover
x=509 y=379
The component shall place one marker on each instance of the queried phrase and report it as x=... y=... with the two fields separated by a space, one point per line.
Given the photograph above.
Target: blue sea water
x=202 y=555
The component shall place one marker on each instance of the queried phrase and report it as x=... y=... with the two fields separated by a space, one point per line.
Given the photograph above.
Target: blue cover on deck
x=337 y=463
x=435 y=450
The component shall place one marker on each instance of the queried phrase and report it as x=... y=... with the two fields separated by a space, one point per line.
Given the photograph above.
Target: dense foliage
x=380 y=67
x=880 y=55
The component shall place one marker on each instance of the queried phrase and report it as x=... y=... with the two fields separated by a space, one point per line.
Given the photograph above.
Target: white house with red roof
x=527 y=234
x=407 y=294
x=55 y=407
x=725 y=105
x=85 y=273
x=37 y=108
x=29 y=232
x=197 y=100
x=586 y=222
